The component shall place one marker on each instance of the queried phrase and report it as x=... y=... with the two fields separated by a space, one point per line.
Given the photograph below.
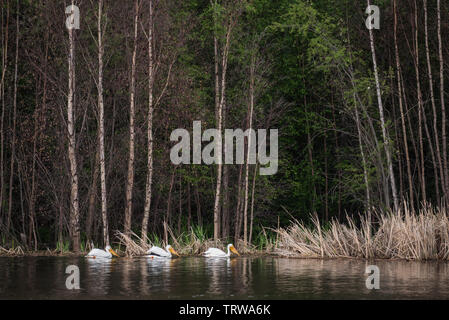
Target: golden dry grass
x=17 y=251
x=404 y=235
x=185 y=244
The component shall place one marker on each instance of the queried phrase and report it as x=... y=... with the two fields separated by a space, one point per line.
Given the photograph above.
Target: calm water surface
x=236 y=278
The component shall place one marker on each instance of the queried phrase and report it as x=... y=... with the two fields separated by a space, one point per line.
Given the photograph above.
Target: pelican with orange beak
x=217 y=253
x=161 y=253
x=102 y=254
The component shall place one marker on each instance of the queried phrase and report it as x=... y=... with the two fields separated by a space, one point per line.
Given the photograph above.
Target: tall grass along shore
x=422 y=235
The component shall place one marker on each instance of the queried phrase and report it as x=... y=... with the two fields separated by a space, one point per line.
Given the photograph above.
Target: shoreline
x=44 y=253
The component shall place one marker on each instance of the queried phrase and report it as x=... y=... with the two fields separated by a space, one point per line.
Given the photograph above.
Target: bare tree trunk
x=433 y=157
x=410 y=130
x=434 y=112
x=326 y=181
x=364 y=164
x=146 y=212
x=216 y=65
x=23 y=234
x=220 y=165
x=250 y=124
x=130 y=180
x=382 y=121
x=2 y=92
x=218 y=116
x=225 y=204
x=198 y=206
x=309 y=146
x=104 y=206
x=180 y=205
x=93 y=195
x=219 y=112
x=401 y=108
x=189 y=207
x=238 y=218
x=225 y=213
x=338 y=157
x=13 y=138
x=443 y=107
x=74 y=201
x=380 y=163
x=420 y=109
x=252 y=204
x=168 y=214
x=32 y=199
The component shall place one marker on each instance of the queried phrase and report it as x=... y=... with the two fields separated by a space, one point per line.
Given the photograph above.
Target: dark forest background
x=303 y=67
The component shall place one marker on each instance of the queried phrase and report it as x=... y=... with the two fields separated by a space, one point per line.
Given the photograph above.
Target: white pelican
x=159 y=252
x=105 y=254
x=217 y=253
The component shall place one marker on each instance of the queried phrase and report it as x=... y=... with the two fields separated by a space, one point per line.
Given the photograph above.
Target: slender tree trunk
x=397 y=134
x=410 y=130
x=74 y=202
x=198 y=206
x=401 y=108
x=32 y=199
x=420 y=109
x=219 y=142
x=225 y=210
x=22 y=209
x=382 y=179
x=13 y=138
x=238 y=218
x=218 y=116
x=104 y=206
x=250 y=126
x=2 y=119
x=383 y=125
x=189 y=207
x=225 y=204
x=93 y=194
x=364 y=164
x=180 y=205
x=146 y=212
x=326 y=181
x=433 y=157
x=440 y=178
x=309 y=145
x=168 y=214
x=443 y=107
x=337 y=148
x=130 y=179
x=252 y=204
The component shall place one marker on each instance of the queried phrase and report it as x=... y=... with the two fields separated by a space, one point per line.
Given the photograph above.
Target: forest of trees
x=86 y=114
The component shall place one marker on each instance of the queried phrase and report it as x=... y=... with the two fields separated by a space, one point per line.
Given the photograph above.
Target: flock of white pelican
x=157 y=252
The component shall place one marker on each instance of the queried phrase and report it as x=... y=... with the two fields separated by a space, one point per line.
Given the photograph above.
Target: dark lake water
x=236 y=278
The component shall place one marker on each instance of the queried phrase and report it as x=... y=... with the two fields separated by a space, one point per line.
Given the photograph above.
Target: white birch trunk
x=149 y=129
x=130 y=179
x=104 y=214
x=382 y=122
x=74 y=201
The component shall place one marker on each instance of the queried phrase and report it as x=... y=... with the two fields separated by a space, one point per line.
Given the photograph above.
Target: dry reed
x=404 y=235
x=184 y=244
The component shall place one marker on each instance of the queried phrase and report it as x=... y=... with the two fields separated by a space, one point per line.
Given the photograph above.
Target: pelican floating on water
x=159 y=252
x=105 y=254
x=217 y=253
